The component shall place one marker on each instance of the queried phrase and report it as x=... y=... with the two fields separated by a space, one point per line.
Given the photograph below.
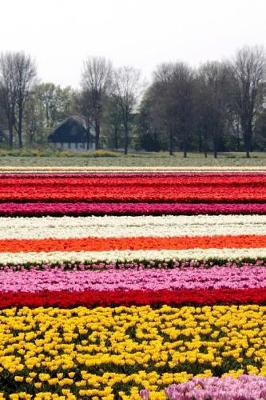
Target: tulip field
x=133 y=283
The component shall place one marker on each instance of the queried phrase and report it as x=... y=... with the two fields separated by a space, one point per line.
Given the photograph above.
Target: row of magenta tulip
x=189 y=278
x=95 y=208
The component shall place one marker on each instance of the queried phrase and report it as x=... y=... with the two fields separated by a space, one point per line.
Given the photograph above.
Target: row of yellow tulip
x=104 y=352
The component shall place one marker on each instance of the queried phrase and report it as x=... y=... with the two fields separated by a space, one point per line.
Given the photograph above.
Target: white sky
x=60 y=34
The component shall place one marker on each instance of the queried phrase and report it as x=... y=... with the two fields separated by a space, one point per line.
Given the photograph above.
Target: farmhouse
x=73 y=134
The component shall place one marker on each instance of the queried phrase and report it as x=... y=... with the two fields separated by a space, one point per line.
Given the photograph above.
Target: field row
x=96 y=244
x=153 y=179
x=128 y=188
x=111 y=298
x=216 y=255
x=95 y=208
x=56 y=278
x=116 y=350
x=131 y=227
x=247 y=193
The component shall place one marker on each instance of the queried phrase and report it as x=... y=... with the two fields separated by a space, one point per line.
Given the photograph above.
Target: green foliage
x=103 y=153
x=87 y=154
x=26 y=152
x=65 y=153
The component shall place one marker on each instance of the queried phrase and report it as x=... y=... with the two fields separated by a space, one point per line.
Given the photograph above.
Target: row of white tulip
x=130 y=226
x=137 y=255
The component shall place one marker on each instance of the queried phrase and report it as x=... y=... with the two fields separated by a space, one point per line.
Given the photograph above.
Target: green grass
x=133 y=159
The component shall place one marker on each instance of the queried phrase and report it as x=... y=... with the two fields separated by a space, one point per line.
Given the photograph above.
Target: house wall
x=75 y=146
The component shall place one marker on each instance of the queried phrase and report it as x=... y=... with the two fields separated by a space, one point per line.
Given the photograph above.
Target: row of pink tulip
x=56 y=279
x=246 y=387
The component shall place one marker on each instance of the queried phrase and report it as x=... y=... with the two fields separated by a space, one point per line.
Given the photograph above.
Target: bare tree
x=82 y=108
x=113 y=122
x=18 y=72
x=174 y=83
x=126 y=88
x=164 y=104
x=8 y=92
x=248 y=70
x=57 y=103
x=152 y=137
x=25 y=70
x=183 y=95
x=96 y=82
x=213 y=90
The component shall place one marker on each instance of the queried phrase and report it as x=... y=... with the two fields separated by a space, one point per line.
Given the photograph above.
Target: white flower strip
x=131 y=226
x=127 y=255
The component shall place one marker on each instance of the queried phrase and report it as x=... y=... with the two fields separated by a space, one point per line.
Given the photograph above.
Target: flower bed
x=244 y=193
x=246 y=387
x=95 y=298
x=132 y=285
x=185 y=188
x=144 y=226
x=132 y=278
x=79 y=208
x=116 y=350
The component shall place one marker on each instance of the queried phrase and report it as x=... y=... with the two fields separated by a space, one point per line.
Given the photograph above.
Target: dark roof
x=71 y=130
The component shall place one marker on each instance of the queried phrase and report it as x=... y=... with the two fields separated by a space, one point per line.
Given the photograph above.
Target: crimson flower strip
x=92 y=298
x=134 y=279
x=181 y=178
x=136 y=193
x=78 y=209
x=134 y=188
x=137 y=243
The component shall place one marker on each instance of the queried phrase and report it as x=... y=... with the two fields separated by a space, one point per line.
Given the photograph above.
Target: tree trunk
x=20 y=144
x=97 y=135
x=248 y=133
x=31 y=138
x=116 y=138
x=215 y=146
x=20 y=118
x=171 y=143
x=88 y=134
x=185 y=145
x=238 y=141
x=205 y=145
x=10 y=136
x=215 y=153
x=200 y=142
x=126 y=139
x=247 y=140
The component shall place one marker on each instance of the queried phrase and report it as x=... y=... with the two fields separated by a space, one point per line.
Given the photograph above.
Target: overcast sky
x=60 y=34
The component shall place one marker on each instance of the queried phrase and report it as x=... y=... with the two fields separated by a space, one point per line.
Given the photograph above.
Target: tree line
x=218 y=106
